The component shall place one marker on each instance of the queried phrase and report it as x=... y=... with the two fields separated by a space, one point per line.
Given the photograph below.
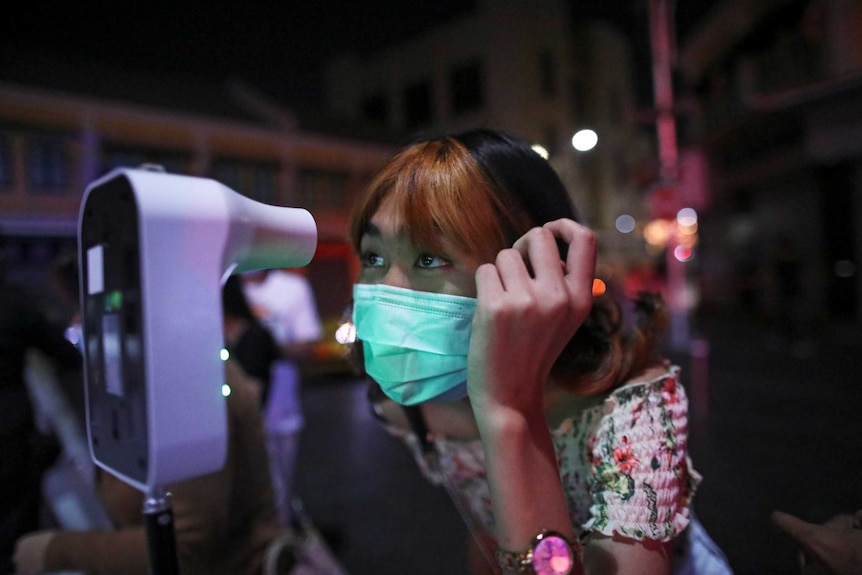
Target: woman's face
x=388 y=257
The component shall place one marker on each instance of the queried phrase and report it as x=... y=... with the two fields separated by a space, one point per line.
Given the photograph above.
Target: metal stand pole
x=161 y=541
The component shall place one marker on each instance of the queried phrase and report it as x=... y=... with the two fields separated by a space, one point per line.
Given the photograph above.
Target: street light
x=584 y=140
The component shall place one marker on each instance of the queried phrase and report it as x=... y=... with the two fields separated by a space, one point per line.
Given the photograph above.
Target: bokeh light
x=541 y=150
x=599 y=287
x=686 y=217
x=585 y=140
x=657 y=232
x=346 y=333
x=625 y=224
x=683 y=253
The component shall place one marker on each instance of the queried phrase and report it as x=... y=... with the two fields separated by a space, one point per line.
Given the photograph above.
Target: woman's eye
x=371 y=260
x=431 y=261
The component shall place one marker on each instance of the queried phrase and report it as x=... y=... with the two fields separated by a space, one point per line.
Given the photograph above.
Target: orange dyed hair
x=440 y=190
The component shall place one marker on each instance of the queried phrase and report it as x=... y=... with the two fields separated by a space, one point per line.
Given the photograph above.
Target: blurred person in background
x=284 y=303
x=25 y=452
x=247 y=340
x=64 y=283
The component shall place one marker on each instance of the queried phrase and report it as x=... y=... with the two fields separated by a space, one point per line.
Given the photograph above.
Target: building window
x=47 y=164
x=321 y=189
x=547 y=73
x=263 y=183
x=375 y=108
x=252 y=179
x=5 y=162
x=467 y=88
x=418 y=105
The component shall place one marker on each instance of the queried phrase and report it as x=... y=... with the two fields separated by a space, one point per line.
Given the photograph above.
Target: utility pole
x=660 y=22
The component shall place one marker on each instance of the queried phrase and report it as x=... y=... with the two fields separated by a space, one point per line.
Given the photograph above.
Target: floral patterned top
x=623 y=462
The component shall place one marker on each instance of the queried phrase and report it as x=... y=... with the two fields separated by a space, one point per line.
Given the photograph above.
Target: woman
x=545 y=411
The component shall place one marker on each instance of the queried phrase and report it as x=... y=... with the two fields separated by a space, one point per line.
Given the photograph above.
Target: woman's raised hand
x=529 y=306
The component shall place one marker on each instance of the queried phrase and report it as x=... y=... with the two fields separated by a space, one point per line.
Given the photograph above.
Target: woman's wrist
x=494 y=416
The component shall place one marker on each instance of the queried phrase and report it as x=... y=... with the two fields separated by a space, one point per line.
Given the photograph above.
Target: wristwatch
x=549 y=554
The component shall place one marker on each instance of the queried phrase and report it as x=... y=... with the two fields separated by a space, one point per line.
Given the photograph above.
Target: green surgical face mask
x=415 y=343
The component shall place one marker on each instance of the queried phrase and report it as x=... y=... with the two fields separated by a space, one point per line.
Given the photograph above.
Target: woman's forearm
x=524 y=479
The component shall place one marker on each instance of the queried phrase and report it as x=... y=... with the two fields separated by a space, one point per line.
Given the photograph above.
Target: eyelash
x=431 y=257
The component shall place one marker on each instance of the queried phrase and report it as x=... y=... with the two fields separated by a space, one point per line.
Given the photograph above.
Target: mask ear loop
x=432 y=459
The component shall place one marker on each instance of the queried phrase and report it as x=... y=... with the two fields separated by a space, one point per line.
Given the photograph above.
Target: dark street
x=780 y=431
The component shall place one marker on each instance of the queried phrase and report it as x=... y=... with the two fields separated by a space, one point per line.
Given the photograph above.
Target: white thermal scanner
x=154 y=251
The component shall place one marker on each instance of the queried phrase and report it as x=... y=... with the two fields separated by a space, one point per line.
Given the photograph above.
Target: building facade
x=522 y=66
x=54 y=142
x=779 y=91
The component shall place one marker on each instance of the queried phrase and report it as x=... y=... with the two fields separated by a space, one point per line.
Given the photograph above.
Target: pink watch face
x=552 y=556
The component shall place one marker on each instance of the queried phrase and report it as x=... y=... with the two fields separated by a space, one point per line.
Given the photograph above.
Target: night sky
x=278 y=46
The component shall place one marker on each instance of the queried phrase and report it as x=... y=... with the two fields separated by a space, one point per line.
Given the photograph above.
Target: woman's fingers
x=530 y=304
x=538 y=248
x=581 y=258
x=514 y=271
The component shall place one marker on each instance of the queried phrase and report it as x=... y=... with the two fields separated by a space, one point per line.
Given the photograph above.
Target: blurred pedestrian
x=64 y=281
x=247 y=340
x=284 y=302
x=25 y=452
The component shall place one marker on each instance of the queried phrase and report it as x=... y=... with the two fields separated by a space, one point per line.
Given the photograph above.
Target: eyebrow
x=372 y=230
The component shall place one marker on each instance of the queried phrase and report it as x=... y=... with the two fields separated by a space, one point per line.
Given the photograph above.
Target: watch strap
x=515 y=562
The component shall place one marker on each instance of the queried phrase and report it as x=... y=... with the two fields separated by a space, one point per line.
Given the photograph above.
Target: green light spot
x=113 y=300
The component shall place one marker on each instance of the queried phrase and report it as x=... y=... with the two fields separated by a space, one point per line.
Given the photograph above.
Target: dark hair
x=234 y=302
x=484 y=189
x=64 y=272
x=511 y=163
